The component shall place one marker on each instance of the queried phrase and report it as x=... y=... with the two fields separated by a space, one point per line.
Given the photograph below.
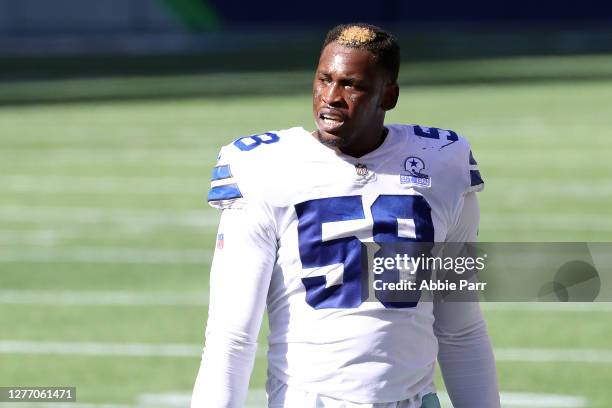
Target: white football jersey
x=310 y=208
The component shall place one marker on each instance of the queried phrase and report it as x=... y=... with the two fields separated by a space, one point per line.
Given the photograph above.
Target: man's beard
x=334 y=142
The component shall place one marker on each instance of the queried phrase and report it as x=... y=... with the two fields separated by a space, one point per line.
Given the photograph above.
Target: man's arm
x=239 y=281
x=465 y=353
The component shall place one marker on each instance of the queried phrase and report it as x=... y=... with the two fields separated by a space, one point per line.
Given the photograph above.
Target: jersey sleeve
x=466 y=217
x=476 y=181
x=239 y=279
x=465 y=353
x=466 y=227
x=240 y=275
x=225 y=191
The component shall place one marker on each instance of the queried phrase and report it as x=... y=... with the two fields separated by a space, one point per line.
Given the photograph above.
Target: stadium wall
x=160 y=27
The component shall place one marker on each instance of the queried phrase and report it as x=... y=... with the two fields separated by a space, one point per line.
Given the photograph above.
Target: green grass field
x=105 y=238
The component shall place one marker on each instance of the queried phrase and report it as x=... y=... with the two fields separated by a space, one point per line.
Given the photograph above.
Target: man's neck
x=365 y=148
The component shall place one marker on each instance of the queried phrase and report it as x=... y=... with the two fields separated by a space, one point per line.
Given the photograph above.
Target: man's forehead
x=336 y=55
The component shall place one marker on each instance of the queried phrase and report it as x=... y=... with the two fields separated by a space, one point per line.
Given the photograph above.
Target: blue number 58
x=388 y=212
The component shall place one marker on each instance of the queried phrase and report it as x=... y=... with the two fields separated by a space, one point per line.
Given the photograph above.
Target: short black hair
x=369 y=37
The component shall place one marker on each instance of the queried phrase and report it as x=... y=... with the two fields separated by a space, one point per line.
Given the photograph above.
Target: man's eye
x=324 y=80
x=355 y=87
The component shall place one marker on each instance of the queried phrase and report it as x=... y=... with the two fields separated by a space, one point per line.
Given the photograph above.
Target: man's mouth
x=331 y=120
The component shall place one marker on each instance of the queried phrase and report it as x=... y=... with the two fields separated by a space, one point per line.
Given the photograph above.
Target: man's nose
x=332 y=94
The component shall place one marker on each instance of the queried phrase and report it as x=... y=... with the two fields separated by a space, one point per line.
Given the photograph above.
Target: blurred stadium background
x=111 y=116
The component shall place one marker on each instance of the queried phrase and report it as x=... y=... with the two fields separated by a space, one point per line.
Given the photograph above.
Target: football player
x=297 y=207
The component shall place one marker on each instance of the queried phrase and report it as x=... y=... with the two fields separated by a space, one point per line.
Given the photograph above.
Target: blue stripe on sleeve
x=226 y=192
x=475 y=178
x=221 y=172
x=472 y=160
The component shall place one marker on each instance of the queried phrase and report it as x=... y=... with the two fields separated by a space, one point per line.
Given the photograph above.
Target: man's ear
x=390 y=96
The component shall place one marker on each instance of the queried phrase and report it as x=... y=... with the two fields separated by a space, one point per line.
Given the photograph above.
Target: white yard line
x=547 y=306
x=541 y=355
x=210 y=218
x=36 y=237
x=122 y=138
x=66 y=405
x=100 y=184
x=257 y=399
x=190 y=154
x=547 y=222
x=149 y=216
x=123 y=298
x=93 y=297
x=525 y=355
x=100 y=349
x=107 y=255
x=183 y=399
x=165 y=184
x=110 y=155
x=533 y=400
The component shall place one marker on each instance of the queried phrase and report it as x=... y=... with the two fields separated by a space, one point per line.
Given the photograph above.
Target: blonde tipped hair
x=356 y=35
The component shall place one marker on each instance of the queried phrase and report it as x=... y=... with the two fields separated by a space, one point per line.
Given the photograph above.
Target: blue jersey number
x=314 y=252
x=247 y=143
x=434 y=133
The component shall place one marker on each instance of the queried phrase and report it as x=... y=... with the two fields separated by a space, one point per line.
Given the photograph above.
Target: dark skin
x=350 y=97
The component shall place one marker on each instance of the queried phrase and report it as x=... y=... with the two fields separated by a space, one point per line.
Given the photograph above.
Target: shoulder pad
x=448 y=139
x=234 y=163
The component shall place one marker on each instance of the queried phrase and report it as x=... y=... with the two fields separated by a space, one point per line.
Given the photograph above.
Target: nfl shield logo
x=361 y=169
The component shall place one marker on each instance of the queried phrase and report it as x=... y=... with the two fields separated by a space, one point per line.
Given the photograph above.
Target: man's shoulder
x=250 y=163
x=441 y=150
x=258 y=146
x=443 y=146
x=429 y=137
